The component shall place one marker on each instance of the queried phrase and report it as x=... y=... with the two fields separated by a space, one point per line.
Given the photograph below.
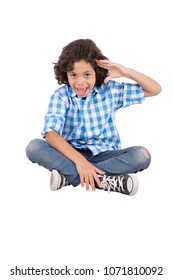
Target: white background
x=73 y=227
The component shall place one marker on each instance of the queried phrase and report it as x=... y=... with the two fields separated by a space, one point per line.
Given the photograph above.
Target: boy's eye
x=73 y=75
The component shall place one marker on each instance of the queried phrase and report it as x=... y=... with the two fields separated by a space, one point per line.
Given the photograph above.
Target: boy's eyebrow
x=72 y=71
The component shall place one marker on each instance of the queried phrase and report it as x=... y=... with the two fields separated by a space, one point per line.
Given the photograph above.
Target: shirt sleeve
x=124 y=94
x=131 y=94
x=55 y=117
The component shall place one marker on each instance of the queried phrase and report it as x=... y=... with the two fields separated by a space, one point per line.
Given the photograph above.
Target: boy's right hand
x=88 y=174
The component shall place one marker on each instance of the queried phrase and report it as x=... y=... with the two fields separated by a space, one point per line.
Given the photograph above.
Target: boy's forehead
x=82 y=65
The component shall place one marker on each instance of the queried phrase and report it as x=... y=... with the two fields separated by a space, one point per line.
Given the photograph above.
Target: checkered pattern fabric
x=90 y=123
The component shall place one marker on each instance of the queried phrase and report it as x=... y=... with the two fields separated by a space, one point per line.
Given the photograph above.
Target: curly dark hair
x=81 y=49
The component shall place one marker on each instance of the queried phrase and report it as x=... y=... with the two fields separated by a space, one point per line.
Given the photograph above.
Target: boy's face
x=82 y=78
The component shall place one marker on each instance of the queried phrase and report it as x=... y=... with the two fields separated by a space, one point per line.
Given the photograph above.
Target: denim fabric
x=116 y=162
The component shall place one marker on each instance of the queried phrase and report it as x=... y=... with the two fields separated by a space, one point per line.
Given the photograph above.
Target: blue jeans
x=116 y=162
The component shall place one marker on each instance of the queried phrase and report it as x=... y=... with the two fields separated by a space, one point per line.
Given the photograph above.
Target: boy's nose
x=80 y=80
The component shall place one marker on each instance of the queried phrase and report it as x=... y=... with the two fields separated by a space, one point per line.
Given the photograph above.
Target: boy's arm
x=150 y=86
x=87 y=171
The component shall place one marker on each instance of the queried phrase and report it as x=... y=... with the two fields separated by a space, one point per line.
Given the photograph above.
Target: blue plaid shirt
x=90 y=123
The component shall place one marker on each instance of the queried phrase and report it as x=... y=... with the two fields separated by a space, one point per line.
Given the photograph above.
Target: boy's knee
x=145 y=152
x=31 y=147
x=145 y=157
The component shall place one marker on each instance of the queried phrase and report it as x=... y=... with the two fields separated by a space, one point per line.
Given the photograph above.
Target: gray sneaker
x=125 y=184
x=57 y=181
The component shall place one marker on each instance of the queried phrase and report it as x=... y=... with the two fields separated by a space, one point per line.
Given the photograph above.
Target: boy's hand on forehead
x=115 y=70
x=88 y=174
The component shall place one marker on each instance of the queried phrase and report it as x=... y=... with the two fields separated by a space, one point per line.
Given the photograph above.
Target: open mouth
x=81 y=91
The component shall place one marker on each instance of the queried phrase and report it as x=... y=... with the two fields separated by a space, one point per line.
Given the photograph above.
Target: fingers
x=109 y=65
x=99 y=171
x=89 y=181
x=103 y=61
x=103 y=64
x=88 y=174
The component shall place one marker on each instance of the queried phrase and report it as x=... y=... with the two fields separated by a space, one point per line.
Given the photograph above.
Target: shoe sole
x=54 y=180
x=135 y=184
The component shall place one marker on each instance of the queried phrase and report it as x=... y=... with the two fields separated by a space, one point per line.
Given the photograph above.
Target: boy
x=82 y=142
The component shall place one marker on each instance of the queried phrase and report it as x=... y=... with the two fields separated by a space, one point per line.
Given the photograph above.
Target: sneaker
x=57 y=181
x=125 y=184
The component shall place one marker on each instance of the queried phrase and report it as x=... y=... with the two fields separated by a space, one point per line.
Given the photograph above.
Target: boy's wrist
x=130 y=73
x=78 y=158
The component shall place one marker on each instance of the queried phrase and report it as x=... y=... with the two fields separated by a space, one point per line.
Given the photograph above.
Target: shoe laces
x=64 y=181
x=113 y=183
